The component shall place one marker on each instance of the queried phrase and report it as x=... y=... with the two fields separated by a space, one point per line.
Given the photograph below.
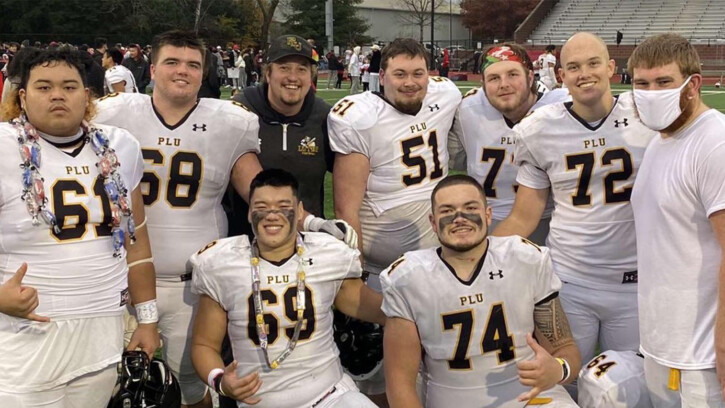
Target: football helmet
x=144 y=383
x=360 y=344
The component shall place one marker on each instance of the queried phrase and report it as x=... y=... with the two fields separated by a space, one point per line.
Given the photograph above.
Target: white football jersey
x=487 y=139
x=590 y=170
x=543 y=62
x=222 y=271
x=187 y=170
x=614 y=379
x=408 y=153
x=473 y=333
x=74 y=272
x=118 y=74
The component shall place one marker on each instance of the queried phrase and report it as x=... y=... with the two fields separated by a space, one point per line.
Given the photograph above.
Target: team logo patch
x=124 y=297
x=293 y=43
x=308 y=146
x=629 y=277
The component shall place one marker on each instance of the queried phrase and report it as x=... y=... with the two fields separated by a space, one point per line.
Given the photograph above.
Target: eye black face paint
x=259 y=215
x=448 y=219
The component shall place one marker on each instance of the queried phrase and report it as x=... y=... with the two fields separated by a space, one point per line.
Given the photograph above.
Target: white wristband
x=212 y=375
x=147 y=312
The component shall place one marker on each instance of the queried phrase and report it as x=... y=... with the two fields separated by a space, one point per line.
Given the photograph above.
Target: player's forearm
x=357 y=300
x=401 y=391
x=514 y=225
x=571 y=354
x=205 y=359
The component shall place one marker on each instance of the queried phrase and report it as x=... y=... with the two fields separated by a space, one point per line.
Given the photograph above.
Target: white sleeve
x=546 y=283
x=201 y=282
x=456 y=147
x=344 y=138
x=114 y=76
x=394 y=303
x=248 y=140
x=711 y=187
x=530 y=172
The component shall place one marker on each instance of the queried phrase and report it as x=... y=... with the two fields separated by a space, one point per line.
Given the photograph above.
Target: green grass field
x=714 y=98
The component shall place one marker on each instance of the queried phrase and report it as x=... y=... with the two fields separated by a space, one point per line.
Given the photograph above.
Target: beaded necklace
x=34 y=191
x=259 y=310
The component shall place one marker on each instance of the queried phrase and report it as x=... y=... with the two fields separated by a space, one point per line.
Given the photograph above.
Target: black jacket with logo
x=298 y=144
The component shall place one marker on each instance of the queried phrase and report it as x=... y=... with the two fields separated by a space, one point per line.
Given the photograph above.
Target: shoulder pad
x=359 y=111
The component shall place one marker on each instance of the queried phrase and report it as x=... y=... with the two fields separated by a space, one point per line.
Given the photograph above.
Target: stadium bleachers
x=701 y=21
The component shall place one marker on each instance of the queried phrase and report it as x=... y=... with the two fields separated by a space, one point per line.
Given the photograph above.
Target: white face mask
x=658 y=109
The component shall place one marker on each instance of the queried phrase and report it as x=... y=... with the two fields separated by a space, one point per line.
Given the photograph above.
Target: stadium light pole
x=329 y=25
x=432 y=25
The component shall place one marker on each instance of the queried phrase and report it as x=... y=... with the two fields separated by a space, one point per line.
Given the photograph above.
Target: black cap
x=286 y=45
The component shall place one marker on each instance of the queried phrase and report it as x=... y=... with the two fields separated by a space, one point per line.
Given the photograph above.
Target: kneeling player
x=276 y=295
x=472 y=305
x=614 y=379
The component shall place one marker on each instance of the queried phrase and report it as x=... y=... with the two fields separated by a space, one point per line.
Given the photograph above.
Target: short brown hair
x=403 y=46
x=177 y=38
x=663 y=49
x=521 y=53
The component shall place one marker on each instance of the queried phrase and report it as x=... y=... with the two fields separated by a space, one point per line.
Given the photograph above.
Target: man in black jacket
x=293 y=125
x=139 y=67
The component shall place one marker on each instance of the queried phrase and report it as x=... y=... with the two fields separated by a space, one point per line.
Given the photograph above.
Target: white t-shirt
x=223 y=272
x=187 y=170
x=590 y=170
x=473 y=333
x=681 y=183
x=484 y=140
x=118 y=74
x=408 y=153
x=614 y=379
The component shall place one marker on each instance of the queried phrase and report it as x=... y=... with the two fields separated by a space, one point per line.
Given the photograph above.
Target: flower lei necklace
x=259 y=310
x=34 y=192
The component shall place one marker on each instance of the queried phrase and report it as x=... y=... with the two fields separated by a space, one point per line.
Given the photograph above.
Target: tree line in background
x=219 y=22
x=246 y=22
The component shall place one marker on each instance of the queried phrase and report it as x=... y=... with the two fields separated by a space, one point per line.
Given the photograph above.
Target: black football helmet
x=360 y=344
x=144 y=383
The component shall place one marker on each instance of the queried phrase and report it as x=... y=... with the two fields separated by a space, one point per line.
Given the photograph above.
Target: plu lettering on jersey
x=471 y=299
x=77 y=170
x=507 y=140
x=418 y=128
x=595 y=143
x=275 y=280
x=169 y=141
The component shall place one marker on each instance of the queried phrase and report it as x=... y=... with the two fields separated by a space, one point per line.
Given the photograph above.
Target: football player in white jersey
x=192 y=149
x=614 y=379
x=391 y=150
x=482 y=140
x=547 y=63
x=680 y=193
x=472 y=305
x=586 y=152
x=275 y=295
x=118 y=77
x=73 y=244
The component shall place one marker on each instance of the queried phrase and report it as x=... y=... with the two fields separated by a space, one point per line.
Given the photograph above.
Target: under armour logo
x=624 y=122
x=308 y=261
x=434 y=107
x=492 y=274
x=196 y=127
